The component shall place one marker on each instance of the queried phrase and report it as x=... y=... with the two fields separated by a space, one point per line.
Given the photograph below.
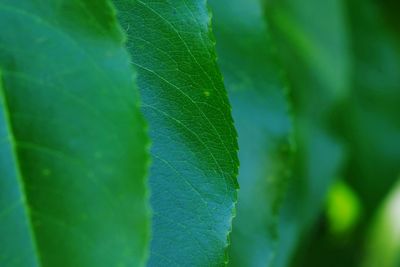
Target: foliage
x=195 y=133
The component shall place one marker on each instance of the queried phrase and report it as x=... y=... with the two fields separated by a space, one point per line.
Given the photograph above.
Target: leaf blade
x=260 y=110
x=317 y=59
x=194 y=145
x=82 y=157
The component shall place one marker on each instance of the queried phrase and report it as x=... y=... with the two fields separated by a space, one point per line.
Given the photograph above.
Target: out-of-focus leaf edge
x=286 y=174
x=123 y=41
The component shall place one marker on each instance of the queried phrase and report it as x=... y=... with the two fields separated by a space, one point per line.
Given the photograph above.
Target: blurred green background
x=315 y=92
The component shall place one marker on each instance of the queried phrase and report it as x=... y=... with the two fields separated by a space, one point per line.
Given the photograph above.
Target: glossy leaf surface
x=193 y=176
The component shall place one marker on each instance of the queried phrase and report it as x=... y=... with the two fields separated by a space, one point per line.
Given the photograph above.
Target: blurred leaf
x=320 y=50
x=383 y=246
x=72 y=142
x=368 y=121
x=313 y=47
x=256 y=90
x=373 y=129
x=193 y=177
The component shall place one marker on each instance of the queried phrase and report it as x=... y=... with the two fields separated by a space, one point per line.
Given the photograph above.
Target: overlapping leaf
x=72 y=143
x=256 y=90
x=193 y=176
x=316 y=58
x=371 y=127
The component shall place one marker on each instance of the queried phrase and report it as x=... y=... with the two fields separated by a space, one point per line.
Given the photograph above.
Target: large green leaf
x=313 y=46
x=72 y=142
x=254 y=82
x=193 y=177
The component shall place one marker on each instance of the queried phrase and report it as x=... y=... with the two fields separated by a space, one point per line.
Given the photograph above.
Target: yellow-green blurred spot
x=343 y=208
x=206 y=93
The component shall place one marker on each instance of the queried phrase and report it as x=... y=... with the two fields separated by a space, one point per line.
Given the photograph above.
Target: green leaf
x=367 y=121
x=383 y=240
x=193 y=177
x=321 y=50
x=316 y=58
x=72 y=141
x=373 y=128
x=371 y=125
x=256 y=89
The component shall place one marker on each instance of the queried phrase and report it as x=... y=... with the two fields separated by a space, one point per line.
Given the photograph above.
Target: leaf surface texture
x=194 y=149
x=73 y=149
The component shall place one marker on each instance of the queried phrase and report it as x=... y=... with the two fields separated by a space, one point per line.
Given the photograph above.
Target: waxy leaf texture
x=194 y=147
